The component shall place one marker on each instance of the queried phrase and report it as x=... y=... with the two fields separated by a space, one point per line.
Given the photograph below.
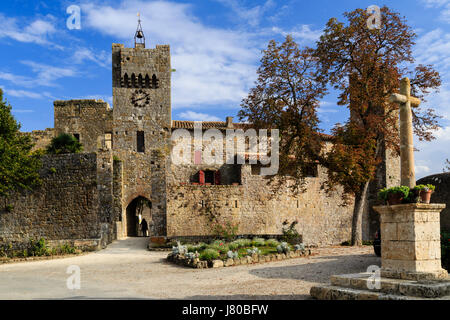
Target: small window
x=140 y=141
x=312 y=170
x=77 y=136
x=108 y=140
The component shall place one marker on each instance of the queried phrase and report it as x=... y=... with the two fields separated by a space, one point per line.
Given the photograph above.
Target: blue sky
x=216 y=46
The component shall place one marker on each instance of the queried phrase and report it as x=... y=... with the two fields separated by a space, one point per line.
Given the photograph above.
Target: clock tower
x=142 y=122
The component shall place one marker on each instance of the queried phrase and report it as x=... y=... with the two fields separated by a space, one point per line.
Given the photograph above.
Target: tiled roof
x=221 y=125
x=178 y=124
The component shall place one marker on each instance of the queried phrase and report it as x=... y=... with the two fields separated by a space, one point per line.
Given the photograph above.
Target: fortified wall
x=69 y=205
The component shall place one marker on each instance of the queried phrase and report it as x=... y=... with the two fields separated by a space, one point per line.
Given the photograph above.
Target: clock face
x=140 y=98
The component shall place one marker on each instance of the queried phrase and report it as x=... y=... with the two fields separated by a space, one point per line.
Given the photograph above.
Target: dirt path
x=127 y=270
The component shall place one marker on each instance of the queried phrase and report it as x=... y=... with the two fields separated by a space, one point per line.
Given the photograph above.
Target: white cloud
x=22 y=110
x=430 y=159
x=301 y=33
x=38 y=31
x=251 y=16
x=197 y=116
x=102 y=58
x=213 y=66
x=46 y=75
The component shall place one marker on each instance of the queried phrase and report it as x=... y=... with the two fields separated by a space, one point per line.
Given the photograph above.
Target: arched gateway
x=138 y=213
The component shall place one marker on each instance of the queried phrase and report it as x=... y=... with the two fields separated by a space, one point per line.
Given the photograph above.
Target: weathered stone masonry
x=128 y=157
x=66 y=206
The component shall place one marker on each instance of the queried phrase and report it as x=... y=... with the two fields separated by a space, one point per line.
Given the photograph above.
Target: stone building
x=129 y=148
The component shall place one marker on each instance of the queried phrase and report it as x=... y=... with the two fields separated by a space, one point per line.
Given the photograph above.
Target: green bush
x=383 y=194
x=38 y=248
x=258 y=242
x=243 y=243
x=209 y=254
x=272 y=243
x=425 y=187
x=64 y=143
x=290 y=234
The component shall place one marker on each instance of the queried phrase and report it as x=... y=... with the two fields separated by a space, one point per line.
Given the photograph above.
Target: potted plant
x=394 y=195
x=424 y=192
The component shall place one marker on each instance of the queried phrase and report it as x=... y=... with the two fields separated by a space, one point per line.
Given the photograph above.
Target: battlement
x=82 y=103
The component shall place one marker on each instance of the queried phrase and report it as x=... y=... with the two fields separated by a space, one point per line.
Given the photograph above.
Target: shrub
x=272 y=243
x=232 y=255
x=227 y=230
x=383 y=194
x=209 y=254
x=253 y=251
x=283 y=248
x=290 y=234
x=221 y=247
x=258 y=242
x=38 y=248
x=64 y=143
x=241 y=243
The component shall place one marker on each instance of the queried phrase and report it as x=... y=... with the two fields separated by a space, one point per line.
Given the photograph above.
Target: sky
x=215 y=46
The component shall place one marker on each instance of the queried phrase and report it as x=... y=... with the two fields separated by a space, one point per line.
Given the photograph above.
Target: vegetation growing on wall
x=19 y=166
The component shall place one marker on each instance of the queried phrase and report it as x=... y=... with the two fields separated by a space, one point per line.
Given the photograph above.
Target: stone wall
x=259 y=209
x=441 y=195
x=41 y=138
x=64 y=207
x=90 y=119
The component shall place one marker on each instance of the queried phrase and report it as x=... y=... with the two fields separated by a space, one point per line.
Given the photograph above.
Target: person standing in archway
x=144 y=227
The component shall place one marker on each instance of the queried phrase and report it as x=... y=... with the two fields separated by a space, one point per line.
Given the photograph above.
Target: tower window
x=155 y=82
x=140 y=141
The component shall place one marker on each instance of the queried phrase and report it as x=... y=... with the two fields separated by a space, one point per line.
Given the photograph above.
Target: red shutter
x=217 y=177
x=201 y=177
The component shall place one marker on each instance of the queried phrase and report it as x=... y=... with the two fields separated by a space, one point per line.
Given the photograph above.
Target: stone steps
x=356 y=287
x=329 y=292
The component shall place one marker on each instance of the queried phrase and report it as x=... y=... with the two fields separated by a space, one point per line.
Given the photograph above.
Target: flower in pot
x=424 y=192
x=394 y=195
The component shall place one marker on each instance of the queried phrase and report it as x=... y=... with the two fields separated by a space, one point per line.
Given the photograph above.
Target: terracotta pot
x=425 y=196
x=395 y=198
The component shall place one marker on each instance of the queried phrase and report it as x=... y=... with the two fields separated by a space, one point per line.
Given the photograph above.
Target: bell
x=139 y=34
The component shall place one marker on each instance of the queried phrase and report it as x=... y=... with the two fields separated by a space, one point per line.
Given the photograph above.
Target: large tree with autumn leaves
x=286 y=97
x=366 y=66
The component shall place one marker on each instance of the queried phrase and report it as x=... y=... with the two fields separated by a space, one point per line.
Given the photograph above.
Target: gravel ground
x=126 y=270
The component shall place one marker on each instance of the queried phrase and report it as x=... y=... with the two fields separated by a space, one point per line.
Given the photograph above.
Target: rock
x=279 y=257
x=283 y=256
x=255 y=257
x=249 y=260
x=237 y=261
x=243 y=260
x=229 y=262
x=217 y=263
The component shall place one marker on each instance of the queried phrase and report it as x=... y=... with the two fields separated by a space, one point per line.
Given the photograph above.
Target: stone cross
x=406 y=132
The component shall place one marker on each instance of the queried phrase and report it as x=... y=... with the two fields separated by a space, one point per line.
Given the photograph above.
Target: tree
x=64 y=143
x=19 y=166
x=286 y=97
x=366 y=67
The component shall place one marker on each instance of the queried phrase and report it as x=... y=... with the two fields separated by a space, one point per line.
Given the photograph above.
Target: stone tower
x=142 y=120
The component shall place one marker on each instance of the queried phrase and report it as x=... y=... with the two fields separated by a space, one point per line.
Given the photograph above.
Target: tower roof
x=139 y=38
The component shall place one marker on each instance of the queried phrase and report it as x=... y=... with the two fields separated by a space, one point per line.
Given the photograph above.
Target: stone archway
x=139 y=205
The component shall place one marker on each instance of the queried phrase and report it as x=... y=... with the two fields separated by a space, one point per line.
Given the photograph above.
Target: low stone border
x=255 y=258
x=29 y=259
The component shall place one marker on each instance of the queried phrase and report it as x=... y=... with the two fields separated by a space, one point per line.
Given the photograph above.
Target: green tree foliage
x=19 y=166
x=64 y=143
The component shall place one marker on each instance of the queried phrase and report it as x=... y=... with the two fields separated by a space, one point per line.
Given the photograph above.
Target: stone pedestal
x=410 y=260
x=410 y=241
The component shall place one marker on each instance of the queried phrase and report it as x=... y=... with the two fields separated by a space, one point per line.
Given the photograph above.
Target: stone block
x=217 y=263
x=229 y=262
